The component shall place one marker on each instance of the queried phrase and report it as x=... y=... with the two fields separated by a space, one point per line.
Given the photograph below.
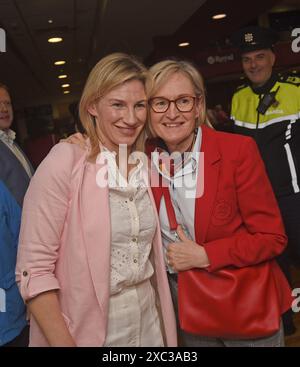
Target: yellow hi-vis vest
x=276 y=132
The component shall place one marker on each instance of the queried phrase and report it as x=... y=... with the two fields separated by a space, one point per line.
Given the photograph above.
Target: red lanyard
x=170 y=209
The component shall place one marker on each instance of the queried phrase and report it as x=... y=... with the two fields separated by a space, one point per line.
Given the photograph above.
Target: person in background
x=13 y=324
x=76 y=123
x=15 y=168
x=90 y=262
x=15 y=174
x=267 y=108
x=37 y=147
x=219 y=119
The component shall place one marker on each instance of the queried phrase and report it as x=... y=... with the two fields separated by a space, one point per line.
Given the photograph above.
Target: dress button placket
x=135 y=228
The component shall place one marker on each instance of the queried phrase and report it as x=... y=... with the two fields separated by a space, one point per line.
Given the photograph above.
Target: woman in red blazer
x=220 y=223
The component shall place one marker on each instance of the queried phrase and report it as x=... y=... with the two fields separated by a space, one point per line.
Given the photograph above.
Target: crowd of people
x=149 y=228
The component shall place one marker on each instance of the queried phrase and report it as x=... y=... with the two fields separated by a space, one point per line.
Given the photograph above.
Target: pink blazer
x=65 y=245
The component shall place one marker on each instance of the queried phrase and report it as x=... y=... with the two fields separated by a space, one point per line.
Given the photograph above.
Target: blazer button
x=25 y=273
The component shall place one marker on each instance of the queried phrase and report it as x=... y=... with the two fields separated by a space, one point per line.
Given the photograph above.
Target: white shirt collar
x=191 y=162
x=115 y=178
x=8 y=136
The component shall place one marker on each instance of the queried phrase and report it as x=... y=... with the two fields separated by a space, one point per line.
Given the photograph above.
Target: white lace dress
x=133 y=318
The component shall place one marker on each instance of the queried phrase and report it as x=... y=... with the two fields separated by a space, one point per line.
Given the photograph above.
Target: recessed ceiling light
x=65 y=85
x=61 y=62
x=219 y=16
x=183 y=44
x=66 y=91
x=50 y=21
x=55 y=39
x=63 y=76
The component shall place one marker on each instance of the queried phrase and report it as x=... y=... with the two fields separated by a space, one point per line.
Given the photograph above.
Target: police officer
x=267 y=108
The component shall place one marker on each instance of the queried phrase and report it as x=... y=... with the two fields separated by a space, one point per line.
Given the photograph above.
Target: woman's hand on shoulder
x=77 y=139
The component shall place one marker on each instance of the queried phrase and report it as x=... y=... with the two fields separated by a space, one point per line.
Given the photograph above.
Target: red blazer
x=237 y=219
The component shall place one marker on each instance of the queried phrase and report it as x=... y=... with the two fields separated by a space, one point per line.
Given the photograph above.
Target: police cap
x=254 y=38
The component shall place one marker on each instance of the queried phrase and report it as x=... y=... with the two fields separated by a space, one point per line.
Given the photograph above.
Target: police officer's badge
x=249 y=37
x=254 y=38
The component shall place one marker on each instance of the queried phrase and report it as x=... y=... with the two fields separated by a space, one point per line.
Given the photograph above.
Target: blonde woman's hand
x=77 y=139
x=186 y=254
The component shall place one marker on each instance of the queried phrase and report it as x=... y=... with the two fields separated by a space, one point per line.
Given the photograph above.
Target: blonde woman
x=220 y=222
x=90 y=266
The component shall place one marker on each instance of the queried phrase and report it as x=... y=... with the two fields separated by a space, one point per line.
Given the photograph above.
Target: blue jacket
x=12 y=308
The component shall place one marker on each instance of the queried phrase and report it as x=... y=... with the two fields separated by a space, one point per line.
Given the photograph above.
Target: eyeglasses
x=183 y=104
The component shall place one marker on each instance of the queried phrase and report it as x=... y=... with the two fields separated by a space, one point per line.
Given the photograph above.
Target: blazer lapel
x=207 y=182
x=26 y=159
x=12 y=157
x=95 y=221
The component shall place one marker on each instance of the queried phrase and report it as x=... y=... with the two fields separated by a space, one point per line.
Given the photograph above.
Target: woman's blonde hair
x=160 y=72
x=110 y=72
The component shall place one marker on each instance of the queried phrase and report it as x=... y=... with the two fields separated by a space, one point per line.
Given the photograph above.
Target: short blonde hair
x=110 y=72
x=160 y=72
